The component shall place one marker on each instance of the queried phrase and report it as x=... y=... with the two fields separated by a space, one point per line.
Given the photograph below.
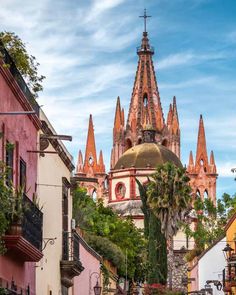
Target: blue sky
x=87 y=51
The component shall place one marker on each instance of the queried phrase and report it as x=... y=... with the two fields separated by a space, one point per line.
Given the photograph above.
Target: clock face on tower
x=120 y=190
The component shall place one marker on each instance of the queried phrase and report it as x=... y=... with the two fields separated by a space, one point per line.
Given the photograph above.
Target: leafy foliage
x=25 y=63
x=210 y=221
x=105 y=229
x=157 y=255
x=165 y=202
x=169 y=196
x=5 y=205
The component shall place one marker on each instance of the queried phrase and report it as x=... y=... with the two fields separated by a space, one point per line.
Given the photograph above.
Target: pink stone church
x=131 y=157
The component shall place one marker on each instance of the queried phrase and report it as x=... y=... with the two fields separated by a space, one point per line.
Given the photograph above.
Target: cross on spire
x=145 y=16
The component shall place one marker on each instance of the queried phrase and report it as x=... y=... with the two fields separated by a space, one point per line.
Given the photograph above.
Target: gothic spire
x=201 y=155
x=175 y=120
x=79 y=167
x=90 y=152
x=118 y=116
x=190 y=162
x=212 y=163
x=101 y=163
x=145 y=95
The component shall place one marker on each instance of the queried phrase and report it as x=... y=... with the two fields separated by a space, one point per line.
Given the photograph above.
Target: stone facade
x=178 y=271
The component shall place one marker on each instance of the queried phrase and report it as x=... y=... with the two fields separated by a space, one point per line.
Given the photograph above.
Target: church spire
x=202 y=175
x=145 y=96
x=170 y=117
x=190 y=162
x=201 y=155
x=118 y=116
x=175 y=120
x=101 y=163
x=79 y=167
x=212 y=163
x=118 y=133
x=90 y=152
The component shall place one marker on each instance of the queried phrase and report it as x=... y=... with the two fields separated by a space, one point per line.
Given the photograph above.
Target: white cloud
x=188 y=58
x=100 y=6
x=224 y=169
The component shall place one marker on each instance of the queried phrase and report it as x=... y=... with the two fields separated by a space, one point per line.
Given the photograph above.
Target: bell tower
x=90 y=173
x=145 y=102
x=202 y=173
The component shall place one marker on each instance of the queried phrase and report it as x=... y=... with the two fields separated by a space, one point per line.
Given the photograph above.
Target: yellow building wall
x=231 y=239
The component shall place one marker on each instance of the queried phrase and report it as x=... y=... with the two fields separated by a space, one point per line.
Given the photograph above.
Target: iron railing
x=32 y=223
x=70 y=246
x=141 y=49
x=18 y=77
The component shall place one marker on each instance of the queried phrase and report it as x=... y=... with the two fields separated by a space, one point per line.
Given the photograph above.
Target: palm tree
x=169 y=198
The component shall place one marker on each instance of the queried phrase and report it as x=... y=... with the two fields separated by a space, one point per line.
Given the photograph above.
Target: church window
x=201 y=162
x=90 y=160
x=139 y=140
x=205 y=194
x=145 y=100
x=198 y=195
x=106 y=183
x=120 y=190
x=94 y=195
x=128 y=144
x=165 y=142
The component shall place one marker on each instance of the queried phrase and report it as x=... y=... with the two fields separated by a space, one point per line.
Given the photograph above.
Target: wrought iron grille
x=150 y=49
x=18 y=77
x=70 y=246
x=32 y=223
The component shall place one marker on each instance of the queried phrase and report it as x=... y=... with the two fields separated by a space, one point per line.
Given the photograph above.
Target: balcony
x=24 y=237
x=70 y=263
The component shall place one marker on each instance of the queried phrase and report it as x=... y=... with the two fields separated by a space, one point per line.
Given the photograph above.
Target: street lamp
x=97 y=288
x=227 y=251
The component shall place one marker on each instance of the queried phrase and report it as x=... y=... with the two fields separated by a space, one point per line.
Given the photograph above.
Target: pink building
x=18 y=143
x=84 y=283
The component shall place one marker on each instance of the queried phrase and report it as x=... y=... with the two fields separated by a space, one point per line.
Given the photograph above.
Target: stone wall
x=177 y=271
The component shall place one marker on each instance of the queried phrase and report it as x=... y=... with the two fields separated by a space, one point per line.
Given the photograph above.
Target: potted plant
x=16 y=214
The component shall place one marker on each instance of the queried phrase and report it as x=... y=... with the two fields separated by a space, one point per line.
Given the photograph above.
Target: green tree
x=101 y=225
x=168 y=196
x=25 y=63
x=156 y=245
x=6 y=193
x=210 y=222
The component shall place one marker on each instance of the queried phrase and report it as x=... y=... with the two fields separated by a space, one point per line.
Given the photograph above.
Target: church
x=131 y=157
x=147 y=138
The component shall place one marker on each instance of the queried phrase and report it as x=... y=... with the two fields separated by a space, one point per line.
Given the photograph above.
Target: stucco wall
x=193 y=276
x=22 y=130
x=49 y=189
x=88 y=277
x=211 y=266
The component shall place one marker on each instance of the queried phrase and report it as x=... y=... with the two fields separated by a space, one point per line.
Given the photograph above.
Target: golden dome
x=146 y=155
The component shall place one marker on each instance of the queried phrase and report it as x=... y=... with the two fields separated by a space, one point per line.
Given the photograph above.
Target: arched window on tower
x=128 y=144
x=94 y=195
x=198 y=195
x=165 y=142
x=145 y=100
x=140 y=140
x=202 y=164
x=205 y=194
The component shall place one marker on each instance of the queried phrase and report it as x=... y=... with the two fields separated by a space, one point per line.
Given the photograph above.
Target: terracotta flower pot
x=15 y=229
